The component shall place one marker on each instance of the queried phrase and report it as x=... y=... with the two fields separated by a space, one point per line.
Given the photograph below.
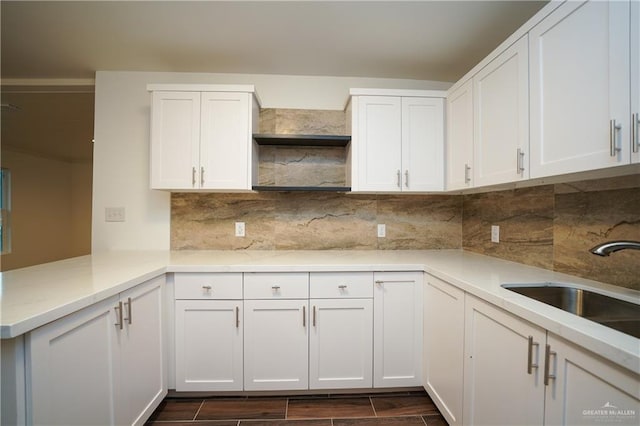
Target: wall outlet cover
x=240 y=229
x=114 y=214
x=382 y=230
x=495 y=234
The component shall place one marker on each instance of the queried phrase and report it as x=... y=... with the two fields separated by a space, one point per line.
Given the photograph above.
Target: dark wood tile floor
x=393 y=409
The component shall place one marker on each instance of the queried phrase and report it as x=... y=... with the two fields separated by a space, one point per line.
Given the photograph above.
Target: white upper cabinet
x=397 y=142
x=201 y=138
x=580 y=88
x=501 y=118
x=175 y=139
x=635 y=82
x=460 y=137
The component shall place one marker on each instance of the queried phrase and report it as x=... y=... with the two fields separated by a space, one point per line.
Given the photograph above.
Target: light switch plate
x=382 y=230
x=114 y=214
x=239 y=229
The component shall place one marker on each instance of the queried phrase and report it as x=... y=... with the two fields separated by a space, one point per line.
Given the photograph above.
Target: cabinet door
x=225 y=141
x=379 y=143
x=142 y=383
x=175 y=140
x=635 y=81
x=588 y=390
x=422 y=144
x=443 y=347
x=501 y=118
x=71 y=364
x=460 y=137
x=579 y=84
x=341 y=343
x=496 y=368
x=397 y=327
x=276 y=346
x=209 y=342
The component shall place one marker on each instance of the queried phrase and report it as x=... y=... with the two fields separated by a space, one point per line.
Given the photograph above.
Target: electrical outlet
x=239 y=229
x=495 y=234
x=114 y=214
x=382 y=230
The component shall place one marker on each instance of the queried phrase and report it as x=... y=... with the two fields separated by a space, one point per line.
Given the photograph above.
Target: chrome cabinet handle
x=614 y=129
x=275 y=288
x=399 y=179
x=530 y=364
x=520 y=161
x=406 y=178
x=237 y=317
x=128 y=305
x=342 y=287
x=201 y=176
x=304 y=316
x=118 y=309
x=547 y=365
x=635 y=121
x=193 y=176
x=206 y=287
x=467 y=175
x=314 y=316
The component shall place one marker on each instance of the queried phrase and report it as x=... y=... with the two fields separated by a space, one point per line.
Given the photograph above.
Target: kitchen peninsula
x=41 y=297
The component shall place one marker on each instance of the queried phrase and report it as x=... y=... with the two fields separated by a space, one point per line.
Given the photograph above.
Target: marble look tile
x=267 y=121
x=525 y=217
x=320 y=221
x=207 y=221
x=585 y=219
x=310 y=122
x=418 y=222
x=593 y=185
x=302 y=166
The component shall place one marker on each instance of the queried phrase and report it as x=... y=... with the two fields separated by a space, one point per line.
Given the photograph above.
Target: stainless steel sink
x=611 y=312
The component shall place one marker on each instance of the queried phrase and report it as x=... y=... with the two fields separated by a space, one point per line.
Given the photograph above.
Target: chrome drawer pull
x=275 y=287
x=342 y=287
x=206 y=287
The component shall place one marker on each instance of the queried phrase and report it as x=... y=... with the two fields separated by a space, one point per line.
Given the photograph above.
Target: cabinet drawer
x=208 y=286
x=333 y=285
x=276 y=285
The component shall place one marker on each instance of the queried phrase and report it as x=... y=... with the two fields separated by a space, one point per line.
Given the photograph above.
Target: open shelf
x=301 y=140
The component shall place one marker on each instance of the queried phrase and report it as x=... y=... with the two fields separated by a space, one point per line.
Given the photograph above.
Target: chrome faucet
x=605 y=249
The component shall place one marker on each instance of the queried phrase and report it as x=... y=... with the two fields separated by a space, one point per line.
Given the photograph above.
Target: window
x=5 y=210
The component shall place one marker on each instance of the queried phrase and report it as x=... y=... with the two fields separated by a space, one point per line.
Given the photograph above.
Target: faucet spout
x=605 y=249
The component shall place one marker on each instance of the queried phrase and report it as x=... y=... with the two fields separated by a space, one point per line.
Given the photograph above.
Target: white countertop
x=31 y=297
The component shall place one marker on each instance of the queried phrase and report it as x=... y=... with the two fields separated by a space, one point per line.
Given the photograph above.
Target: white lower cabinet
x=341 y=333
x=585 y=389
x=100 y=365
x=276 y=345
x=500 y=389
x=516 y=373
x=276 y=331
x=209 y=332
x=444 y=347
x=397 y=329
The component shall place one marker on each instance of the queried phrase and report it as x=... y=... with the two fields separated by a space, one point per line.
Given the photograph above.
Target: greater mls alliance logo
x=610 y=413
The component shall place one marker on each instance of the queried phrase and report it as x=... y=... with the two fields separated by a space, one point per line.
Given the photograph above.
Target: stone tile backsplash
x=550 y=226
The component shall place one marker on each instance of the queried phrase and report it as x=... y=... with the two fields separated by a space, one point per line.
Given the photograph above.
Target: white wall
x=121 y=149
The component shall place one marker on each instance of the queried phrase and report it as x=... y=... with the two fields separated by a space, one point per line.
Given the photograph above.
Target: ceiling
x=424 y=40
x=44 y=41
